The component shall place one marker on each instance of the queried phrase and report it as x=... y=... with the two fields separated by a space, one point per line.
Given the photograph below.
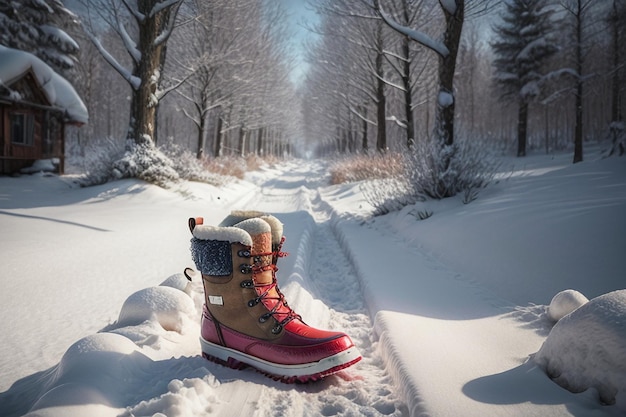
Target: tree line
x=212 y=77
x=384 y=74
x=525 y=73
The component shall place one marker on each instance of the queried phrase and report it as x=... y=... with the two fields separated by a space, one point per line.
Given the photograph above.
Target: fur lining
x=254 y=226
x=277 y=228
x=225 y=234
x=237 y=216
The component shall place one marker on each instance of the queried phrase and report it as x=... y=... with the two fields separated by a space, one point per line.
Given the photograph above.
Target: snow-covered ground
x=448 y=312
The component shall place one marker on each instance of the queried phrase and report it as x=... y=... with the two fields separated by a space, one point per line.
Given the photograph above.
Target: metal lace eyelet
x=246 y=284
x=253 y=302
x=277 y=329
x=243 y=253
x=264 y=318
x=245 y=268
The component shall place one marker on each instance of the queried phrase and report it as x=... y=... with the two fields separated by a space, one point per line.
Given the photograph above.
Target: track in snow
x=364 y=389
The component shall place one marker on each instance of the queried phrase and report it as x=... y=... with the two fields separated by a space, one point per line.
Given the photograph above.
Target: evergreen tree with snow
x=522 y=47
x=36 y=26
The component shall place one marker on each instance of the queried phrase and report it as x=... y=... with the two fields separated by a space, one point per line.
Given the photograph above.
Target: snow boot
x=246 y=320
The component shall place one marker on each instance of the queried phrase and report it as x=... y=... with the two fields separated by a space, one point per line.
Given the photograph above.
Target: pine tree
x=36 y=26
x=522 y=47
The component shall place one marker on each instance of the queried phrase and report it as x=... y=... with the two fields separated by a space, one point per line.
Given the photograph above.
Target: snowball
x=564 y=303
x=168 y=306
x=587 y=349
x=445 y=99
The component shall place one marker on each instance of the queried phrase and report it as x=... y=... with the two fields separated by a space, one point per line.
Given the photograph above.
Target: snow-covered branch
x=134 y=82
x=169 y=27
x=129 y=44
x=416 y=35
x=365 y=119
x=139 y=17
x=159 y=7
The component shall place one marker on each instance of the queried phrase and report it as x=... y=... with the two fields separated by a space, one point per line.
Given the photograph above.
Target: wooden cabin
x=32 y=125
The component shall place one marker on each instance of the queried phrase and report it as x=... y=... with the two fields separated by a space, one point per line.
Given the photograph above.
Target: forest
x=214 y=77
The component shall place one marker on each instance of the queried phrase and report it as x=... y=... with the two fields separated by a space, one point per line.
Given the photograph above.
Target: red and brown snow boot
x=246 y=320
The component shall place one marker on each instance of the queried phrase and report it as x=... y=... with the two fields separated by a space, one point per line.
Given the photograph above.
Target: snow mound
x=98 y=355
x=42 y=165
x=87 y=379
x=72 y=400
x=564 y=303
x=178 y=281
x=587 y=349
x=169 y=306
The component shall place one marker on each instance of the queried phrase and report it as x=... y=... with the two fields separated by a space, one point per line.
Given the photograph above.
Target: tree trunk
x=447 y=67
x=578 y=132
x=201 y=137
x=381 y=101
x=219 y=136
x=364 y=145
x=408 y=94
x=259 y=143
x=143 y=107
x=522 y=128
x=241 y=145
x=615 y=99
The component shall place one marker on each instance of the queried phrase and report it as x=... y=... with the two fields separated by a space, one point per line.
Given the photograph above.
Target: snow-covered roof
x=60 y=93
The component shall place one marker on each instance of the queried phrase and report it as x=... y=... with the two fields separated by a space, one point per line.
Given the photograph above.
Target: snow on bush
x=436 y=171
x=145 y=162
x=109 y=160
x=587 y=349
x=564 y=303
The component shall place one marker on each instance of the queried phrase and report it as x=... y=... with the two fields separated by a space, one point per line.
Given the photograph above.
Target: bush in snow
x=189 y=167
x=617 y=134
x=436 y=171
x=111 y=160
x=587 y=349
x=366 y=167
x=564 y=303
x=146 y=162
x=95 y=161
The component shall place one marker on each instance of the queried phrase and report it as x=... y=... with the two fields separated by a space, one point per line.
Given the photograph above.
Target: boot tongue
x=261 y=234
x=262 y=253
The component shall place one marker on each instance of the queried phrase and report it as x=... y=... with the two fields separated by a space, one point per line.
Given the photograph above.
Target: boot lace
x=257 y=268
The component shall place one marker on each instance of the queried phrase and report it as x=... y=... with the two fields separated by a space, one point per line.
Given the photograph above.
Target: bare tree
x=617 y=23
x=144 y=27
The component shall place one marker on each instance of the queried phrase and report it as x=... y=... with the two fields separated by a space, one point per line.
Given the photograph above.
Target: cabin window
x=22 y=128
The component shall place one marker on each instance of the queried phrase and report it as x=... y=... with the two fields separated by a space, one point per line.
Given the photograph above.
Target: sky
x=300 y=15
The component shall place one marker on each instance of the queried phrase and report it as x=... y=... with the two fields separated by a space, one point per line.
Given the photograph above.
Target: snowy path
x=321 y=269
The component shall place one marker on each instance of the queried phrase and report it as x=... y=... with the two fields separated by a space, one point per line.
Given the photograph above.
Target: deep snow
x=448 y=312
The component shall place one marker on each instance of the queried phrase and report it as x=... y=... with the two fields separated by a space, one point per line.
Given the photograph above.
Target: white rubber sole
x=301 y=372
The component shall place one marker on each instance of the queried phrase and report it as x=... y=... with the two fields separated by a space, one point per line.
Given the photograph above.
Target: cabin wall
x=45 y=141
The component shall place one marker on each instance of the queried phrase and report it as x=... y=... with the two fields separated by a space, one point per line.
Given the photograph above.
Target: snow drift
x=587 y=349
